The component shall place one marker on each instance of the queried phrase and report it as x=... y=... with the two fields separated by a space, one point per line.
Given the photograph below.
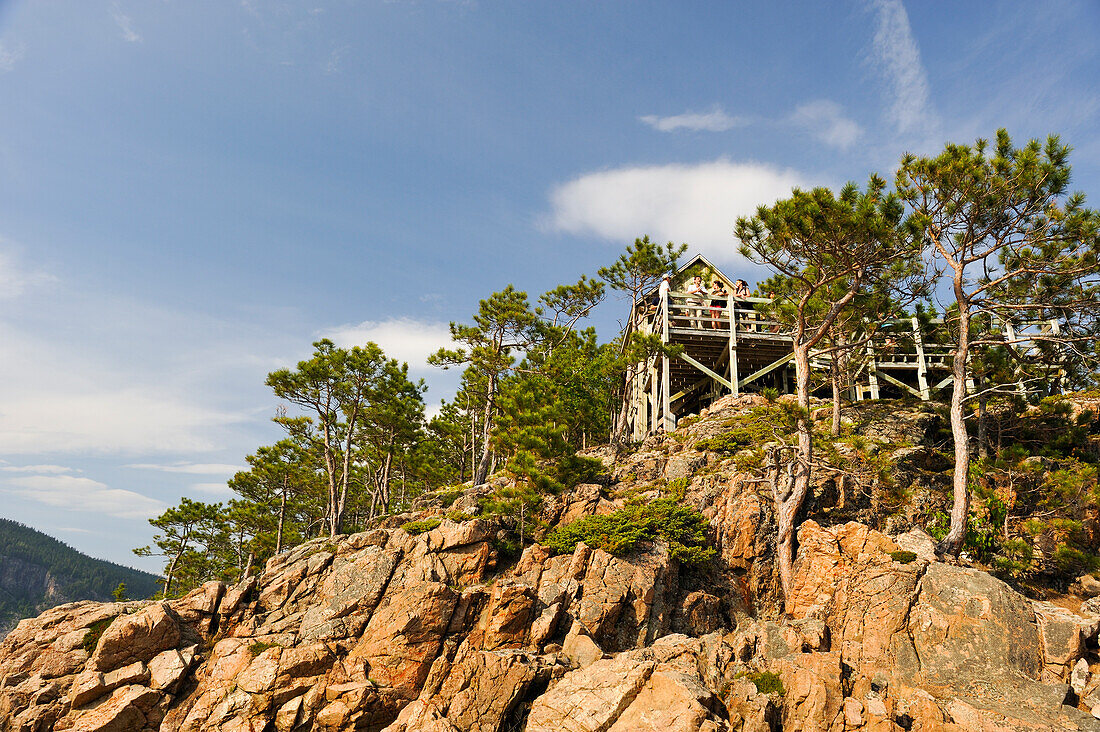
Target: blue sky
x=192 y=192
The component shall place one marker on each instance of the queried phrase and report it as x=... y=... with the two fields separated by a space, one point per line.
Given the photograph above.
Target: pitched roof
x=698 y=258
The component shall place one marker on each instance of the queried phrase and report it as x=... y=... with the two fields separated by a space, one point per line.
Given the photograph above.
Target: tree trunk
x=952 y=543
x=282 y=517
x=483 y=465
x=787 y=508
x=834 y=377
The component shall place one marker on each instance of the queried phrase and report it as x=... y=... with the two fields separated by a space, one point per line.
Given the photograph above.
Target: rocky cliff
x=439 y=631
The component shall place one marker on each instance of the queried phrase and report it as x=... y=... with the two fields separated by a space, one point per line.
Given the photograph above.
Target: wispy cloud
x=219 y=489
x=125 y=24
x=38 y=469
x=698 y=204
x=898 y=58
x=83 y=494
x=825 y=120
x=404 y=339
x=189 y=468
x=16 y=280
x=715 y=120
x=10 y=55
x=335 y=58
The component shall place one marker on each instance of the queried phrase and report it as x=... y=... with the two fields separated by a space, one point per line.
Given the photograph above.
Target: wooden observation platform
x=731 y=347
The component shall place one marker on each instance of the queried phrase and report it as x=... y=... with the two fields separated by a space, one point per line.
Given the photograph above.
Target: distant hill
x=38 y=572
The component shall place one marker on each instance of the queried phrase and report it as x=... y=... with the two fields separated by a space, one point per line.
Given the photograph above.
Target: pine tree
x=828 y=250
x=503 y=323
x=1015 y=247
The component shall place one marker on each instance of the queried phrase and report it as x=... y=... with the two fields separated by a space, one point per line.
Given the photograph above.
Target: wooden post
x=1056 y=330
x=666 y=408
x=872 y=369
x=1011 y=332
x=732 y=307
x=922 y=363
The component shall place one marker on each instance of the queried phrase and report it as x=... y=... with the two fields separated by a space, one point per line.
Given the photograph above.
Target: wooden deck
x=736 y=348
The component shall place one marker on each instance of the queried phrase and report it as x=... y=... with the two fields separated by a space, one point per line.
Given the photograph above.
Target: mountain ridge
x=38 y=571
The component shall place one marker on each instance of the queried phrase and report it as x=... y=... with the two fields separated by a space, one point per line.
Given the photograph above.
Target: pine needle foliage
x=620 y=533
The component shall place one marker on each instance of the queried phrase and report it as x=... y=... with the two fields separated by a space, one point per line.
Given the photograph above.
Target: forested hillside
x=38 y=571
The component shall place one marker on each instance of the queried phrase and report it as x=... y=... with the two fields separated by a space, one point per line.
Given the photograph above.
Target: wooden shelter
x=730 y=347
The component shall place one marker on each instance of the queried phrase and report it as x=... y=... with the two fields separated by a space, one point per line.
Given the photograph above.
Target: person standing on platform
x=718 y=302
x=697 y=301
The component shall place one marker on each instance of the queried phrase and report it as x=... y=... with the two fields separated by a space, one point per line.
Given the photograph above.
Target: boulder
x=137 y=637
x=626 y=695
x=128 y=709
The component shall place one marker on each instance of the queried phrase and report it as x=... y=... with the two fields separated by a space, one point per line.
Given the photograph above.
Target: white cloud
x=125 y=24
x=221 y=489
x=404 y=339
x=715 y=120
x=825 y=120
x=698 y=204
x=55 y=399
x=898 y=58
x=85 y=495
x=14 y=279
x=38 y=469
x=10 y=56
x=189 y=468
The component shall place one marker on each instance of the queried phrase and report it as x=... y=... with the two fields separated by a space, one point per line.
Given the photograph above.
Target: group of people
x=717 y=298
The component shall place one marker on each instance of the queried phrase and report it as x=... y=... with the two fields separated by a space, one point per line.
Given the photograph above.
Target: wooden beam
x=720 y=379
x=902 y=384
x=766 y=370
x=689 y=390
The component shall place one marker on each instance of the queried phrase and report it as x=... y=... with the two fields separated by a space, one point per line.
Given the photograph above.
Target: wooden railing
x=708 y=313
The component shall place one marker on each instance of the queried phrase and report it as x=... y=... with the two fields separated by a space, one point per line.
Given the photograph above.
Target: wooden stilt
x=872 y=370
x=922 y=363
x=732 y=309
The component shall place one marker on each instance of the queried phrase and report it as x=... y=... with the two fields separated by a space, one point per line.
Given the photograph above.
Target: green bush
x=448 y=497
x=259 y=647
x=419 y=527
x=760 y=425
x=1015 y=558
x=619 y=533
x=1074 y=561
x=903 y=557
x=767 y=682
x=95 y=632
x=573 y=470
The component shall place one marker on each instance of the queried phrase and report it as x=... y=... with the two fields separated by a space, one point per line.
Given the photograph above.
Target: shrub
x=448 y=497
x=419 y=527
x=760 y=425
x=259 y=647
x=767 y=682
x=459 y=516
x=1015 y=557
x=619 y=533
x=1074 y=561
x=95 y=632
x=903 y=557
x=573 y=470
